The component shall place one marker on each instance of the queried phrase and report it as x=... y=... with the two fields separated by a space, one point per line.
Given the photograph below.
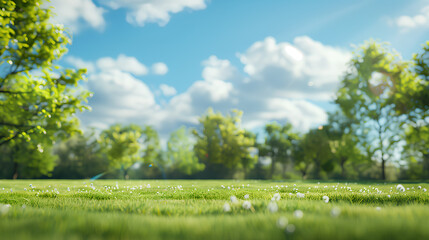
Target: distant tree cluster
x=380 y=130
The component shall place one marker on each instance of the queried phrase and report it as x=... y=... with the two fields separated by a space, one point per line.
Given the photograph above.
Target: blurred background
x=214 y=89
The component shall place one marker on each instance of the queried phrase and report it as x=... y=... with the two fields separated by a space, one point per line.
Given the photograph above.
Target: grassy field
x=212 y=209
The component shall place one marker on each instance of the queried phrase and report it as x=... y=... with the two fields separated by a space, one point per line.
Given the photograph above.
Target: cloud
x=153 y=11
x=167 y=90
x=79 y=63
x=273 y=85
x=76 y=14
x=306 y=69
x=416 y=21
x=159 y=68
x=122 y=63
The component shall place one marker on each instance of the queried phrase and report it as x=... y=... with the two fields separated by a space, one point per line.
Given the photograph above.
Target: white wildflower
x=419 y=187
x=400 y=188
x=246 y=196
x=4 y=208
x=335 y=212
x=300 y=195
x=282 y=222
x=298 y=214
x=290 y=228
x=226 y=207
x=233 y=199
x=276 y=197
x=325 y=199
x=247 y=205
x=272 y=207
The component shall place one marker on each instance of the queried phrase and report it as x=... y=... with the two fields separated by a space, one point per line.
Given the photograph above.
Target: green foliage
x=221 y=141
x=37 y=97
x=316 y=150
x=79 y=157
x=367 y=95
x=278 y=144
x=122 y=146
x=180 y=152
x=416 y=108
x=127 y=145
x=342 y=141
x=27 y=159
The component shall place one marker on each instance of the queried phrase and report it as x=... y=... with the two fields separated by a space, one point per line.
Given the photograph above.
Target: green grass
x=47 y=210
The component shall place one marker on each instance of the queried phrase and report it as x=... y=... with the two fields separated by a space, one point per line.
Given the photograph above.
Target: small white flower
x=378 y=208
x=226 y=207
x=148 y=186
x=424 y=190
x=335 y=212
x=300 y=195
x=4 y=208
x=276 y=197
x=388 y=196
x=400 y=188
x=233 y=199
x=419 y=187
x=247 y=205
x=272 y=207
x=282 y=222
x=246 y=196
x=325 y=199
x=298 y=214
x=290 y=228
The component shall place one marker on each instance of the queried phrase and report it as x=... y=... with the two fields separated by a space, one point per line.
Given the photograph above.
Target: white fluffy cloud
x=122 y=63
x=79 y=63
x=275 y=86
x=75 y=14
x=304 y=69
x=140 y=12
x=167 y=90
x=159 y=68
x=118 y=95
x=416 y=21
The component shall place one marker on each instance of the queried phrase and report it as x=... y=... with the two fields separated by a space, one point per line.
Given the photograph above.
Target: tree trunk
x=284 y=170
x=15 y=170
x=126 y=177
x=343 y=170
x=383 y=173
x=273 y=163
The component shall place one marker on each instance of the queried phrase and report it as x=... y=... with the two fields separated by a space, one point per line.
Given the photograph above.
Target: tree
x=127 y=145
x=37 y=97
x=221 y=143
x=412 y=99
x=122 y=146
x=27 y=159
x=316 y=150
x=367 y=96
x=181 y=154
x=79 y=157
x=278 y=144
x=343 y=143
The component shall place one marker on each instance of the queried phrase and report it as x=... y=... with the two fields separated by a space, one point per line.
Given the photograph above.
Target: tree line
x=380 y=130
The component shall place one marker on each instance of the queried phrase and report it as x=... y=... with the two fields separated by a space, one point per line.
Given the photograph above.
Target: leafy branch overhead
x=36 y=95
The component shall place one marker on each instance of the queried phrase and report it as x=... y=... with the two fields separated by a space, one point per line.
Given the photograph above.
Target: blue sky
x=276 y=60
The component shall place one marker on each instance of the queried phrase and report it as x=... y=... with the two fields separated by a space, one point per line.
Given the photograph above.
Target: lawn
x=207 y=209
